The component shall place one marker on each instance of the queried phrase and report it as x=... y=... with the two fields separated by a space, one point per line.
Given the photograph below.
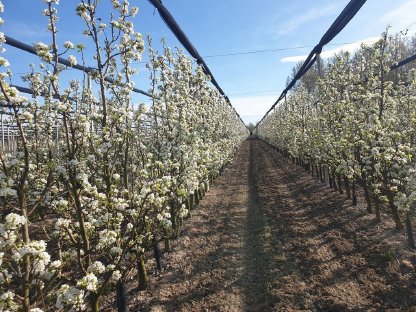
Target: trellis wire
x=337 y=26
x=184 y=40
x=89 y=70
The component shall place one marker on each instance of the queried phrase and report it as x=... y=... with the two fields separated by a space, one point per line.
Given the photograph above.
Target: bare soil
x=268 y=237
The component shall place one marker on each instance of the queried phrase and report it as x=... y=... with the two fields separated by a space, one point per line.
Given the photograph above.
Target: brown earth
x=268 y=237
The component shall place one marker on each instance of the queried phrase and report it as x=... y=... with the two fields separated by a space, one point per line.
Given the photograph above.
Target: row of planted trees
x=97 y=180
x=356 y=124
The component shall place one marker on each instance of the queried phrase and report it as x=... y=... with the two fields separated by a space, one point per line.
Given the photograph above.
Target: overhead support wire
x=403 y=62
x=184 y=40
x=337 y=26
x=89 y=70
x=267 y=50
x=30 y=91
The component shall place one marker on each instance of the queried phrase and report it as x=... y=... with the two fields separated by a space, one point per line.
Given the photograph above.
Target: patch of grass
x=389 y=255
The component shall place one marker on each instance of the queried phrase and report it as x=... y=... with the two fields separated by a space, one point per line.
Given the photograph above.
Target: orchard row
x=355 y=119
x=97 y=180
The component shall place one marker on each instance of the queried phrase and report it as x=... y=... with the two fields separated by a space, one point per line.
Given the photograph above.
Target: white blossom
x=68 y=45
x=72 y=60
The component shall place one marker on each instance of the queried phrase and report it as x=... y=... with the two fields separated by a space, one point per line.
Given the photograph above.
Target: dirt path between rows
x=267 y=237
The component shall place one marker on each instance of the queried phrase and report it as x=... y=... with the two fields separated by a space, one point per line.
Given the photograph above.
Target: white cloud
x=294 y=59
x=351 y=47
x=253 y=108
x=311 y=15
x=401 y=17
x=25 y=30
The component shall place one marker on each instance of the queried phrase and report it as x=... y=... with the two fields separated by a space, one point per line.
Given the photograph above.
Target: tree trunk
x=156 y=252
x=321 y=176
x=367 y=198
x=354 y=196
x=327 y=177
x=142 y=273
x=174 y=218
x=396 y=216
x=331 y=185
x=167 y=244
x=121 y=297
x=409 y=230
x=94 y=302
x=334 y=180
x=339 y=184
x=377 y=209
x=196 y=196
x=26 y=284
x=347 y=187
x=190 y=202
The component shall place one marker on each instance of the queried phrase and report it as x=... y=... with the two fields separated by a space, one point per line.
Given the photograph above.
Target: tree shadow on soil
x=258 y=248
x=274 y=242
x=342 y=224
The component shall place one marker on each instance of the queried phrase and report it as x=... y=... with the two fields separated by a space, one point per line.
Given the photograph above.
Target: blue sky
x=252 y=81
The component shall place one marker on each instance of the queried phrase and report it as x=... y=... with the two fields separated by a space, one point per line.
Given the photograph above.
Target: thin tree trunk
x=94 y=302
x=331 y=185
x=321 y=176
x=377 y=209
x=167 y=243
x=190 y=202
x=339 y=184
x=354 y=196
x=347 y=187
x=142 y=273
x=156 y=252
x=367 y=198
x=197 y=198
x=121 y=297
x=409 y=230
x=396 y=215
